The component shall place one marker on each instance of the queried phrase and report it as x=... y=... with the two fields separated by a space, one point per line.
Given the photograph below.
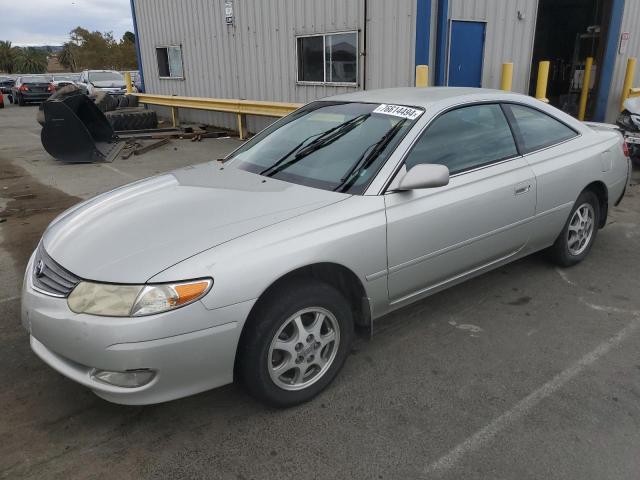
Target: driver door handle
x=522 y=189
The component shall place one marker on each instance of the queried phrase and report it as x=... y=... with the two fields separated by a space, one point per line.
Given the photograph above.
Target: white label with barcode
x=398 y=111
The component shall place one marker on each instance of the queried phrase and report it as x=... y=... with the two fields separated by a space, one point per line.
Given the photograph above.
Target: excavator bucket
x=76 y=131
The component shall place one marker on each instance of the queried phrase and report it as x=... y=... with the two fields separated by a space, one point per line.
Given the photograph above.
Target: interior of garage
x=567 y=32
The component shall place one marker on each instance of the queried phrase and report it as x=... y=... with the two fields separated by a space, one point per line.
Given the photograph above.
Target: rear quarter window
x=537 y=130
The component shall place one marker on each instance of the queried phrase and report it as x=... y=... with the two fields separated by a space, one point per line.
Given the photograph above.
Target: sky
x=48 y=22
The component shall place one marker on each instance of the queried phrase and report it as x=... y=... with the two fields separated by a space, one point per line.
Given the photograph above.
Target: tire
x=132 y=101
x=105 y=102
x=277 y=317
x=581 y=227
x=132 y=119
x=123 y=101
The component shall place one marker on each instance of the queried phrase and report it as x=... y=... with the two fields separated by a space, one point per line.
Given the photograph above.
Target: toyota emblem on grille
x=39 y=268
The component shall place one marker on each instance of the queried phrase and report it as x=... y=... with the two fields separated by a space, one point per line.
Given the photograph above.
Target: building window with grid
x=330 y=58
x=170 y=62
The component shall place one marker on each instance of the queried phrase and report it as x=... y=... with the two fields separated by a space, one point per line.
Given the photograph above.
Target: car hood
x=132 y=233
x=108 y=84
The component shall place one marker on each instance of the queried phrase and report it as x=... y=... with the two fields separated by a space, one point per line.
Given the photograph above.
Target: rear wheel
x=579 y=233
x=295 y=344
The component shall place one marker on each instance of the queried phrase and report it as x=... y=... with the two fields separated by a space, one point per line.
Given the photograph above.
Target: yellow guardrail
x=240 y=107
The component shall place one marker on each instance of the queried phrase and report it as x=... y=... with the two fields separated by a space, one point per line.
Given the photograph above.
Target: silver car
x=257 y=269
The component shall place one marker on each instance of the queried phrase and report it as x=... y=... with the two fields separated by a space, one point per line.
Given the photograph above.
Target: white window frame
x=324 y=60
x=169 y=63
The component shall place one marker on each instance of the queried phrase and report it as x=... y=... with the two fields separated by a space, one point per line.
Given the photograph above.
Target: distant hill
x=45 y=48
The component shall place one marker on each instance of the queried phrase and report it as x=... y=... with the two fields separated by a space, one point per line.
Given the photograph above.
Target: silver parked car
x=258 y=268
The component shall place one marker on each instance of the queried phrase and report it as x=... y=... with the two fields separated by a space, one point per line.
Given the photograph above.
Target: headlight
x=135 y=300
x=636 y=120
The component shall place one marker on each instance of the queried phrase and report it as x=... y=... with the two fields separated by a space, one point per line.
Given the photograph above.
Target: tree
x=129 y=37
x=31 y=60
x=67 y=56
x=7 y=57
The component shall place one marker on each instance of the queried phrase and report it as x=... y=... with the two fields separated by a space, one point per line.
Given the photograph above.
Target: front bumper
x=191 y=349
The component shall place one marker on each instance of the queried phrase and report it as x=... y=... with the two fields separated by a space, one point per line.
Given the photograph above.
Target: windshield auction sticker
x=398 y=111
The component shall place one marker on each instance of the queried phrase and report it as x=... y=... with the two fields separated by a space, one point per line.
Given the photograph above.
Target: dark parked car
x=32 y=89
x=6 y=83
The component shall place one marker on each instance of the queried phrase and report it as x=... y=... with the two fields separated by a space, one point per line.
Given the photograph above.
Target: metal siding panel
x=630 y=22
x=256 y=58
x=391 y=38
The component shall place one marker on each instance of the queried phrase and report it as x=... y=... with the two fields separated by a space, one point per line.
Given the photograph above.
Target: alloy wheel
x=303 y=348
x=581 y=227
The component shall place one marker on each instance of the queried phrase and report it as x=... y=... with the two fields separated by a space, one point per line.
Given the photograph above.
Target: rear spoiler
x=603 y=126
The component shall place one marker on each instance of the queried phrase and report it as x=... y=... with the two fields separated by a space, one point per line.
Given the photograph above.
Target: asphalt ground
x=527 y=372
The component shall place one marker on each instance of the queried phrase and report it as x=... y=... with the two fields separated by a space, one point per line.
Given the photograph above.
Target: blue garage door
x=466 y=53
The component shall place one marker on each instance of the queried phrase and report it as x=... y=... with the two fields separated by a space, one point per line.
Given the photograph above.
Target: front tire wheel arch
x=267 y=316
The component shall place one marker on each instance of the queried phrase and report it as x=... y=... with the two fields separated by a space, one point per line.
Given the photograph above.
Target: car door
x=438 y=235
x=558 y=169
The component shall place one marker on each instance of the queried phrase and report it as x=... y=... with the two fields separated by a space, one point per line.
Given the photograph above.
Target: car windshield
x=336 y=146
x=105 y=77
x=60 y=78
x=36 y=79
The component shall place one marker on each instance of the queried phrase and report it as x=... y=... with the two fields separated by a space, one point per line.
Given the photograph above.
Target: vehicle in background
x=343 y=211
x=107 y=81
x=31 y=89
x=629 y=121
x=6 y=83
x=60 y=81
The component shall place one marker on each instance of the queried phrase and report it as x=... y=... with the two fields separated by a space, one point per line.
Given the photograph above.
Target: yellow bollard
x=127 y=80
x=422 y=75
x=507 y=77
x=543 y=78
x=628 y=80
x=584 y=94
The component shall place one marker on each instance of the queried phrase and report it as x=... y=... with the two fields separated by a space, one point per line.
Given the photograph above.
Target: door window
x=537 y=130
x=465 y=138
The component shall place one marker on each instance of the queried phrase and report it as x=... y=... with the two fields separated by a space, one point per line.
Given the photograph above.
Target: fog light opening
x=127 y=379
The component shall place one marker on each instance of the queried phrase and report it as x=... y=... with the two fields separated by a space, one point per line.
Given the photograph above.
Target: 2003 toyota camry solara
x=257 y=268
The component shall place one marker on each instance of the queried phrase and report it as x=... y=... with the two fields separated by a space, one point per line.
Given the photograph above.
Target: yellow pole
x=175 y=119
x=127 y=80
x=422 y=75
x=584 y=94
x=507 y=77
x=543 y=79
x=628 y=80
x=242 y=126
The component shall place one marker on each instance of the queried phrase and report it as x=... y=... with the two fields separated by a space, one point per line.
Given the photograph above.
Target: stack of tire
x=122 y=111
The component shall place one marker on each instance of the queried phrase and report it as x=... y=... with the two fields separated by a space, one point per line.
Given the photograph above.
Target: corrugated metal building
x=301 y=50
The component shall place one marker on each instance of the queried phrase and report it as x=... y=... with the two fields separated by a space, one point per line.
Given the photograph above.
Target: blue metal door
x=466 y=53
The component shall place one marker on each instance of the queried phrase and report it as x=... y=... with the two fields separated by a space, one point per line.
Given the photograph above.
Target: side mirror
x=424 y=175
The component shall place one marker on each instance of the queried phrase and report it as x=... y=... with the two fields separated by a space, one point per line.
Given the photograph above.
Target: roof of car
x=420 y=97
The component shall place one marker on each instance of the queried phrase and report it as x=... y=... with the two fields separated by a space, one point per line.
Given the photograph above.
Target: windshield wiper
x=325 y=138
x=368 y=157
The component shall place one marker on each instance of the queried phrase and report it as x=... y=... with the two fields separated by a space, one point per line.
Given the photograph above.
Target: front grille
x=50 y=278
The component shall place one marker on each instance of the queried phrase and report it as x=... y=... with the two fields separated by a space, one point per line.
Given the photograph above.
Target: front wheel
x=579 y=233
x=295 y=344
